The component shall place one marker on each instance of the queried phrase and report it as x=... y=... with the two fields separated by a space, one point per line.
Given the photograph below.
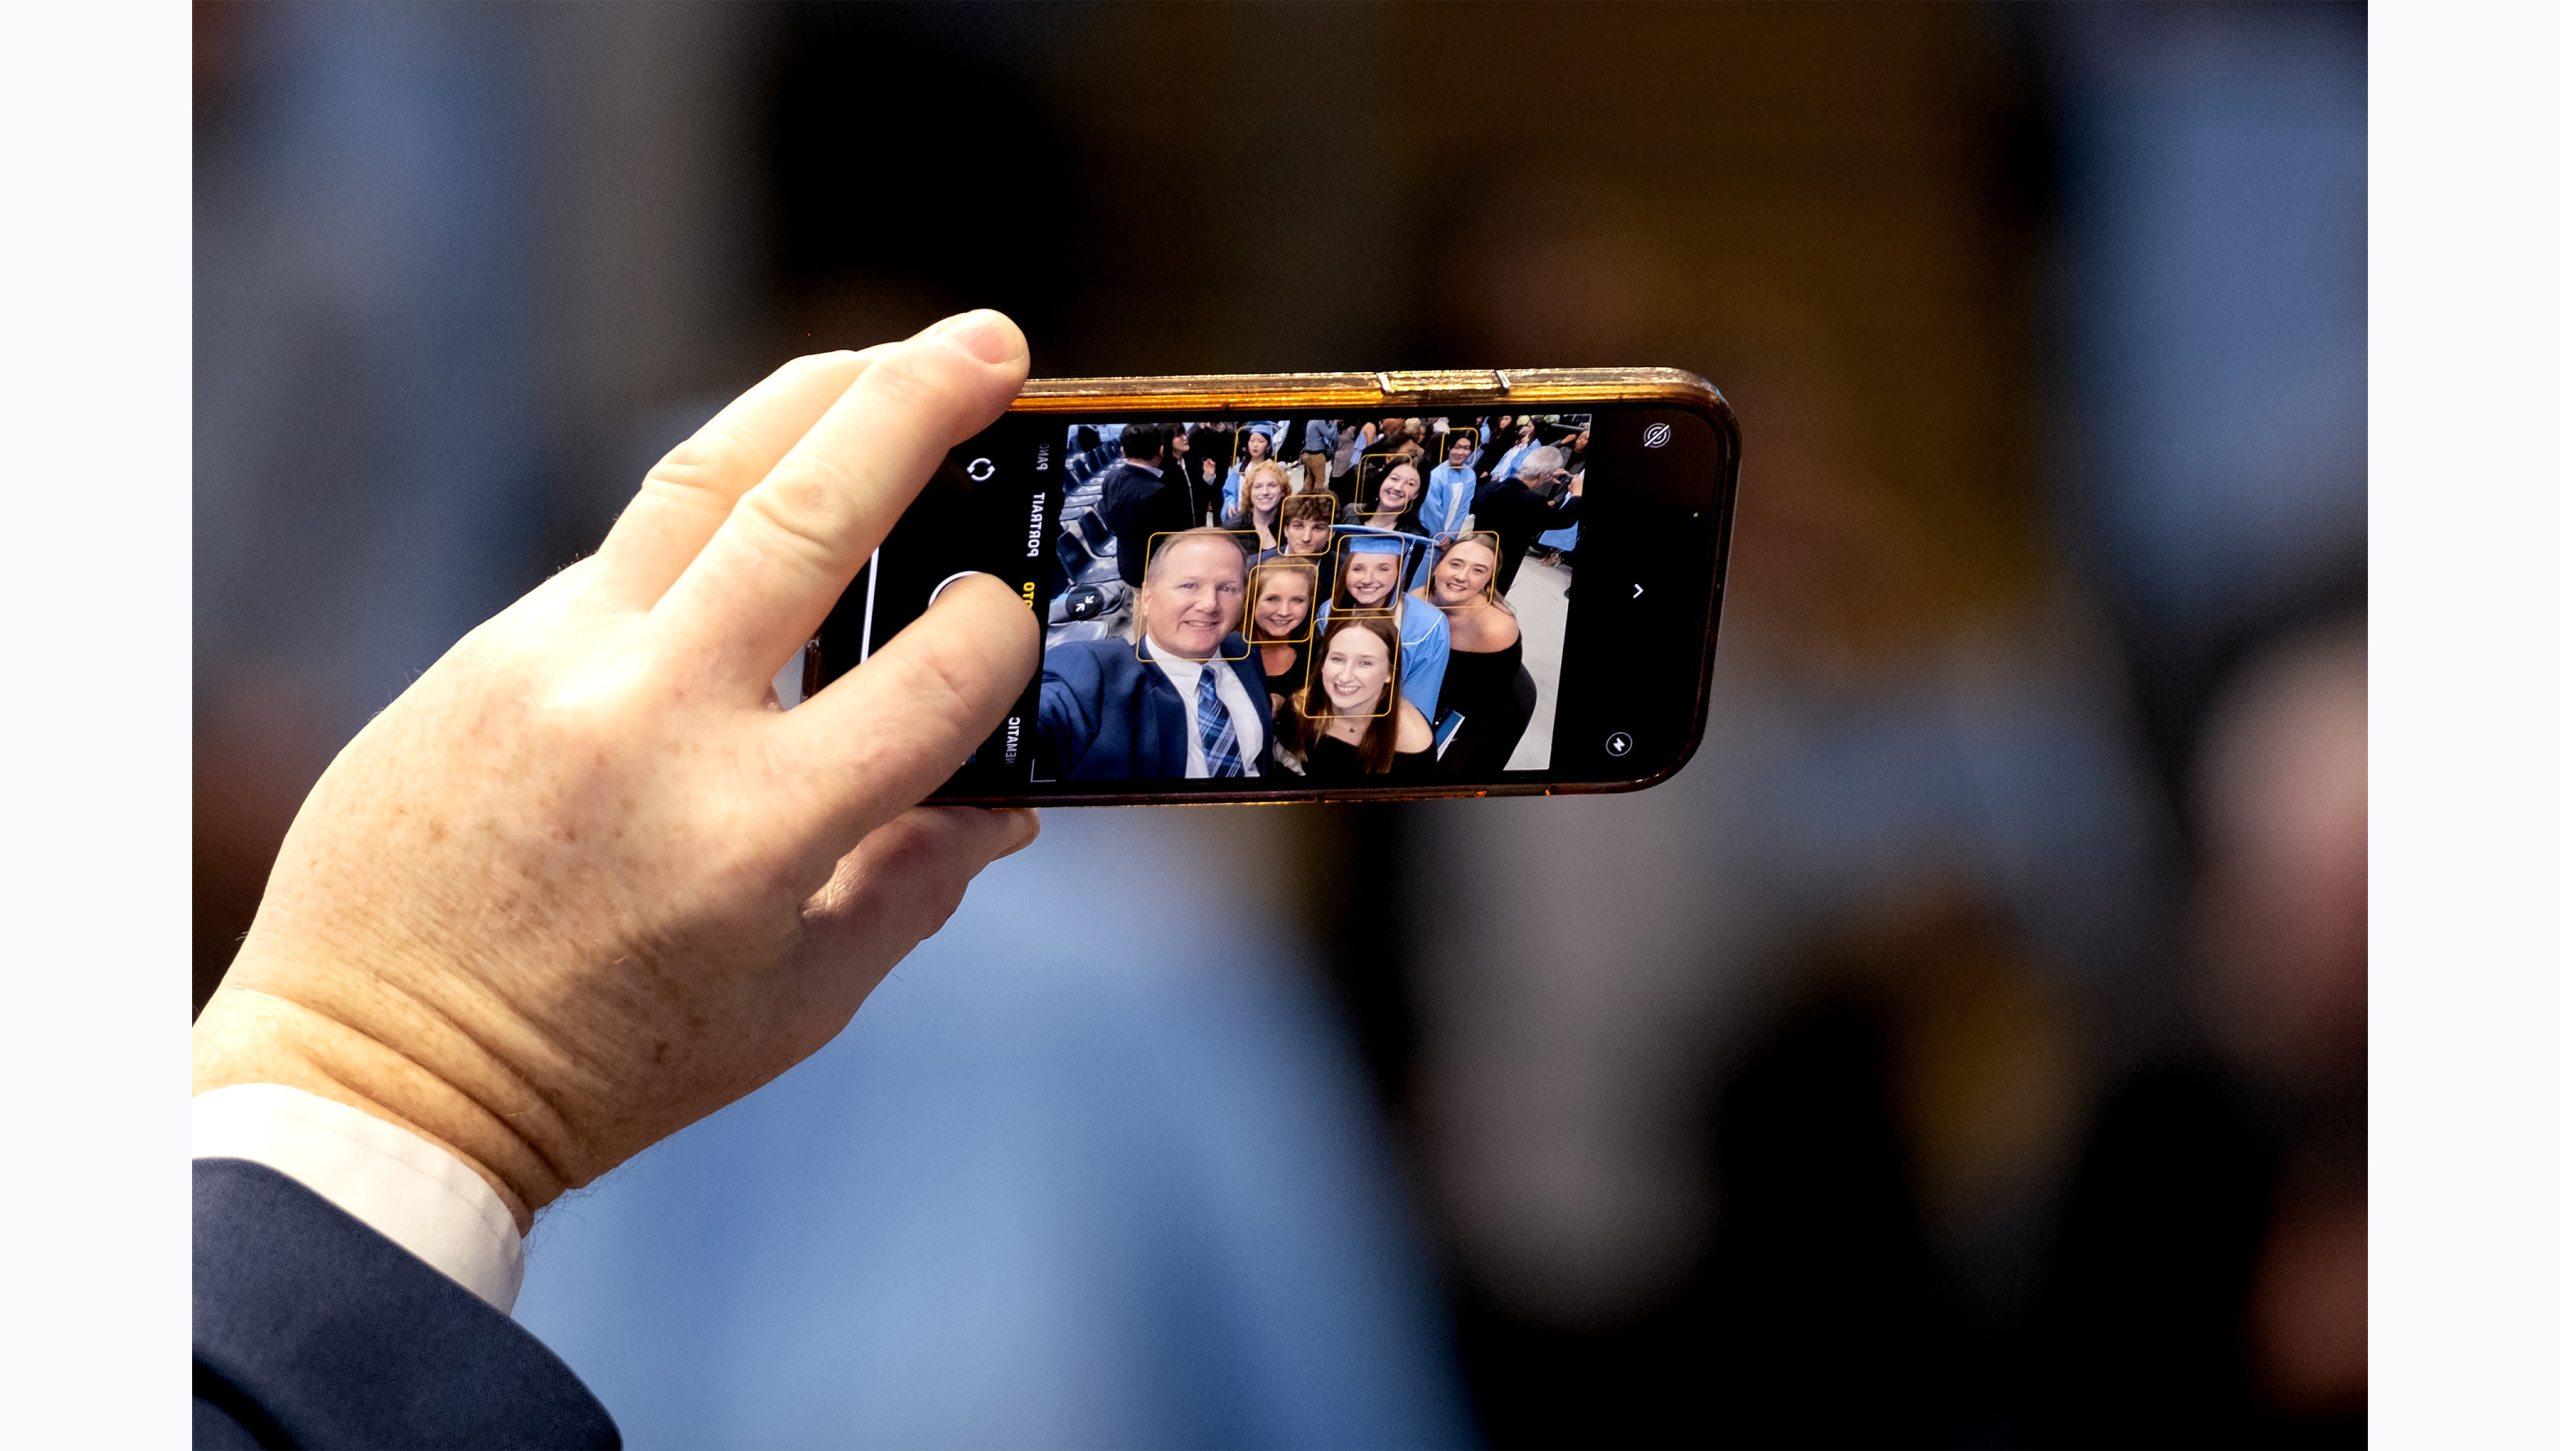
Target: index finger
x=683 y=499
x=768 y=576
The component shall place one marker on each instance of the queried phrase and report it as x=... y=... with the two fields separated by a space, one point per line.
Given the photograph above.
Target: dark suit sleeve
x=1070 y=695
x=313 y=1330
x=1122 y=499
x=1172 y=509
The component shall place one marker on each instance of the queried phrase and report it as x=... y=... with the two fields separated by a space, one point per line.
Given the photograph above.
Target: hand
x=583 y=883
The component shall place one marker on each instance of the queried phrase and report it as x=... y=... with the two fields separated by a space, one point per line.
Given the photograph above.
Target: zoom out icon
x=1657 y=434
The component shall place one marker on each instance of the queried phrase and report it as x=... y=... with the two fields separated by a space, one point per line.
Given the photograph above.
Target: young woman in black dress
x=1349 y=720
x=1483 y=681
x=1280 y=606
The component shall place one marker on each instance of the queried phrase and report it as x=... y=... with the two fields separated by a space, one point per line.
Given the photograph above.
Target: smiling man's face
x=1194 y=595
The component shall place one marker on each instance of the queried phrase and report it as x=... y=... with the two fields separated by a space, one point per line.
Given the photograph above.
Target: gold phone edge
x=1491 y=387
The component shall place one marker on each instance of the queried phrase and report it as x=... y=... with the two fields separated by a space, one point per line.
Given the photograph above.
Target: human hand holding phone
x=582 y=883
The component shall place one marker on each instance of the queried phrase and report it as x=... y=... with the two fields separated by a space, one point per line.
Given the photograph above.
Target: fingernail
x=986 y=335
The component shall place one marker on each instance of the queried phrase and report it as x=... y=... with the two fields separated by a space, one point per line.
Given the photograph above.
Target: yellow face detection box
x=1188 y=575
x=1274 y=573
x=1386 y=697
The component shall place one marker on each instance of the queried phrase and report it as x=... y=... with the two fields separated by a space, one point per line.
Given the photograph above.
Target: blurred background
x=1968 y=1048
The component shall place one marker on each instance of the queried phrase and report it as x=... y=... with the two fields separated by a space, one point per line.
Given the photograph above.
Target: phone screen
x=1334 y=605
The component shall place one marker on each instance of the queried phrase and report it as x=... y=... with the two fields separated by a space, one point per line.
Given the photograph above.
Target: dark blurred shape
x=1835 y=1219
x=1816 y=1262
x=874 y=235
x=2142 y=1341
x=1819 y=1258
x=2209 y=1275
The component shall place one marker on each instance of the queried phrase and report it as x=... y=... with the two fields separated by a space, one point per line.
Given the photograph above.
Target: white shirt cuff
x=409 y=1191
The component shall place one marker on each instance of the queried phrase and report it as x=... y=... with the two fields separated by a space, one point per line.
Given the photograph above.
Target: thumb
x=904 y=720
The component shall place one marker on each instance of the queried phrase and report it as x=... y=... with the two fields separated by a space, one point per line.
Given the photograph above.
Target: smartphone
x=1332 y=587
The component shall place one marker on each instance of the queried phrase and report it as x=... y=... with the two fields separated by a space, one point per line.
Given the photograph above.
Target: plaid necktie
x=1218 y=746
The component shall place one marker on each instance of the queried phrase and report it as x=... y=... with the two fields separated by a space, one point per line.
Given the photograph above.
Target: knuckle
x=700 y=466
x=929 y=876
x=585 y=711
x=576 y=726
x=798 y=517
x=746 y=877
x=942 y=679
x=909 y=858
x=771 y=763
x=743 y=859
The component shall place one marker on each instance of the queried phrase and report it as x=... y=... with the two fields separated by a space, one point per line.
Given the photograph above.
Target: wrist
x=247 y=1035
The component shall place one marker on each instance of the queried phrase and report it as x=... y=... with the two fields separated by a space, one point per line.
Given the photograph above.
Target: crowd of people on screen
x=1331 y=613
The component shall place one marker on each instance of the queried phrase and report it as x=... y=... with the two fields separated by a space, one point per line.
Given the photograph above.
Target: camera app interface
x=1257 y=604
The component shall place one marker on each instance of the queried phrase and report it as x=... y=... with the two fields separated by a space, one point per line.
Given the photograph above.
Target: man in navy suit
x=1187 y=699
x=1139 y=504
x=1537 y=497
x=395 y=1077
